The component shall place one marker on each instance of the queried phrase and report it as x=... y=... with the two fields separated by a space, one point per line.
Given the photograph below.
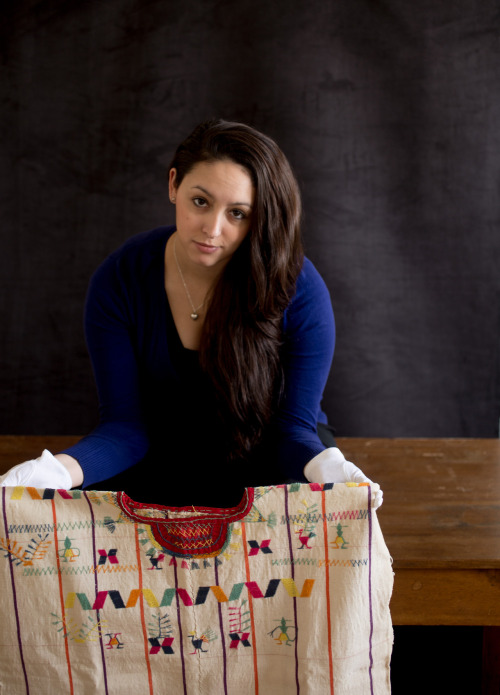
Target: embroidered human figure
x=340 y=539
x=283 y=634
x=69 y=554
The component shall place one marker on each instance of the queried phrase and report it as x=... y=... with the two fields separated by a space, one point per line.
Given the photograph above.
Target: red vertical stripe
x=141 y=604
x=61 y=598
x=250 y=605
x=327 y=581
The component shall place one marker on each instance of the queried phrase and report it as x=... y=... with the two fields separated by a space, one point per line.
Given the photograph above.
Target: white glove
x=45 y=471
x=330 y=466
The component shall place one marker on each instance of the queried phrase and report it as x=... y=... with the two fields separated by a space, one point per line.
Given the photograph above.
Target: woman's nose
x=212 y=225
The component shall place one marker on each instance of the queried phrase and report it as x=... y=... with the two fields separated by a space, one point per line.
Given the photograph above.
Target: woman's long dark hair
x=242 y=333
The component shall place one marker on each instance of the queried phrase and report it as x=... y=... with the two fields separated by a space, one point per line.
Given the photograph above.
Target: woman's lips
x=206 y=248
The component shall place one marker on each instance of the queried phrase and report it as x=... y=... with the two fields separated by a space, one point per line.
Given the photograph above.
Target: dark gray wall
x=390 y=114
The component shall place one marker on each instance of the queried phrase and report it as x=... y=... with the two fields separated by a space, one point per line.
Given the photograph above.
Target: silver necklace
x=194 y=314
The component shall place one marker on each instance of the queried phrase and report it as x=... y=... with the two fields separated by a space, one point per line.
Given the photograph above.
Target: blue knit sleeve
x=309 y=330
x=120 y=440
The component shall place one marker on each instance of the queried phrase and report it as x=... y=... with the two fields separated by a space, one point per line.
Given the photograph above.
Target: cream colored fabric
x=100 y=595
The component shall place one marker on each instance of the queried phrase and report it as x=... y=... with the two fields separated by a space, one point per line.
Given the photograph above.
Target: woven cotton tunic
x=286 y=593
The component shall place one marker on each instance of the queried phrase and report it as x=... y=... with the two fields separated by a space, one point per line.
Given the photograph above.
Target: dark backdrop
x=390 y=114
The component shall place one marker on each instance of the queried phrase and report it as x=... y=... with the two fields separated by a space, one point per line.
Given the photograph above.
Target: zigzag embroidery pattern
x=353 y=515
x=49 y=528
x=102 y=569
x=253 y=588
x=321 y=563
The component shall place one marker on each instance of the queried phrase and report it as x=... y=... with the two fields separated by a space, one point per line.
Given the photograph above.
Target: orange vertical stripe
x=250 y=605
x=141 y=604
x=61 y=598
x=327 y=571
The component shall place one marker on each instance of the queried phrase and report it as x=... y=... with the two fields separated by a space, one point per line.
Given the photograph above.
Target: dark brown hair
x=242 y=332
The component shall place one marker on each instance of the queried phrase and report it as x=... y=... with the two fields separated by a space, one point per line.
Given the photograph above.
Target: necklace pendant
x=194 y=315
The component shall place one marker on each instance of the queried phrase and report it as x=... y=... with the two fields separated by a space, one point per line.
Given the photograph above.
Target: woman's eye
x=199 y=202
x=238 y=214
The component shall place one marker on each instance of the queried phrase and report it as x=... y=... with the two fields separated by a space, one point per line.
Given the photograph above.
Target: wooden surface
x=440 y=519
x=441 y=499
x=441 y=523
x=18 y=448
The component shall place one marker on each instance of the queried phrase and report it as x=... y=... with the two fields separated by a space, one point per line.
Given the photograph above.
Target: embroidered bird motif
x=198 y=642
x=305 y=538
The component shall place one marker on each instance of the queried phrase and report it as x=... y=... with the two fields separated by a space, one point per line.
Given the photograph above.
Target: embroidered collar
x=187 y=531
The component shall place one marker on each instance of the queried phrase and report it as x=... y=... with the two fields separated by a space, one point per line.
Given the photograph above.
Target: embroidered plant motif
x=255 y=516
x=160 y=626
x=239 y=624
x=36 y=550
x=88 y=631
x=14 y=551
x=160 y=634
x=110 y=524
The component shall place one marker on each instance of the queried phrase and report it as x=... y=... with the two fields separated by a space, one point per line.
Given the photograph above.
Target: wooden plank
x=15 y=449
x=441 y=499
x=446 y=597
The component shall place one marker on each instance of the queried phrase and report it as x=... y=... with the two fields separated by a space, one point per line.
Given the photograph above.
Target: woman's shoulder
x=311 y=301
x=310 y=285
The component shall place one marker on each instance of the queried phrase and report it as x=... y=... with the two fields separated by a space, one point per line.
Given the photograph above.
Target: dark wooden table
x=440 y=519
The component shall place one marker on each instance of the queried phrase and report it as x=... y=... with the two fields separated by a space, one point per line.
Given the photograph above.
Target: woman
x=211 y=341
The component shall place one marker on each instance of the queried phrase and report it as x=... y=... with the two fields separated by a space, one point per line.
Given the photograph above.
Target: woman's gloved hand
x=330 y=466
x=45 y=471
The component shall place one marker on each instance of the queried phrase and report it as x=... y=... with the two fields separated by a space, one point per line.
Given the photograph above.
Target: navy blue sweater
x=157 y=427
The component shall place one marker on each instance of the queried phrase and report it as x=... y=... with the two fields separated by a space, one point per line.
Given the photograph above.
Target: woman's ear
x=172 y=186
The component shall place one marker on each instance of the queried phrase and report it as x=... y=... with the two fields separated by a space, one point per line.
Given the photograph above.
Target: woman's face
x=213 y=211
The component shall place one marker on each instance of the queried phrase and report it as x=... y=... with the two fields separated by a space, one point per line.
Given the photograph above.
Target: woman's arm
x=309 y=335
x=310 y=340
x=120 y=440
x=73 y=467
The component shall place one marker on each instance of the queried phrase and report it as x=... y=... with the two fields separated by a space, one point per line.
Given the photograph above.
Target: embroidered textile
x=286 y=593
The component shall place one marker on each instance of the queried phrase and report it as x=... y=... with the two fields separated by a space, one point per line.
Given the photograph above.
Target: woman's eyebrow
x=207 y=193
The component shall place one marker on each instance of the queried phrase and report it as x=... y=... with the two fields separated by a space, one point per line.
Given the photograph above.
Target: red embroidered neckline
x=187 y=531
